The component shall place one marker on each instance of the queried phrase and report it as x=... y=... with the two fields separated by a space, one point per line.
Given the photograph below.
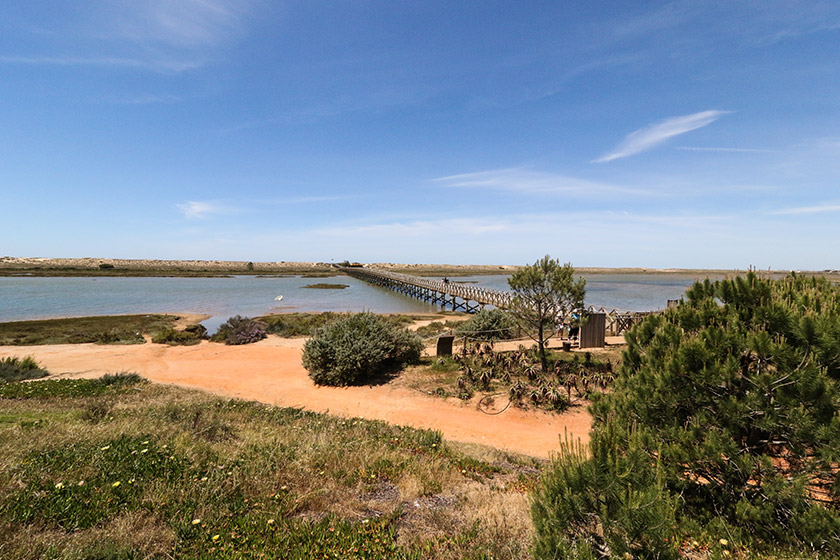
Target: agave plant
x=485 y=377
x=533 y=371
x=517 y=391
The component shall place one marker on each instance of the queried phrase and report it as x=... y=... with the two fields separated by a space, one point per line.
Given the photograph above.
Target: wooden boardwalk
x=473 y=298
x=458 y=296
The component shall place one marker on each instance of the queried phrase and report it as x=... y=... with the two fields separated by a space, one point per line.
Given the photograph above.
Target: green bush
x=290 y=325
x=732 y=400
x=193 y=334
x=609 y=501
x=15 y=369
x=488 y=324
x=240 y=330
x=356 y=347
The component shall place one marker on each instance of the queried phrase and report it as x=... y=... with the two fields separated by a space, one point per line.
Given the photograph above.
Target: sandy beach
x=270 y=371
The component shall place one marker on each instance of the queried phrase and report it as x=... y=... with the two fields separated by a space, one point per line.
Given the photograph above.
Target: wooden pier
x=457 y=296
x=473 y=298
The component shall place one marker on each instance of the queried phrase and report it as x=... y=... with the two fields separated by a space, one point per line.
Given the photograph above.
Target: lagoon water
x=24 y=297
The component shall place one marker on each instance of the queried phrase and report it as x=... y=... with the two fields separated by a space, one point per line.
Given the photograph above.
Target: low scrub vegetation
x=519 y=375
x=15 y=369
x=358 y=347
x=290 y=325
x=488 y=324
x=171 y=473
x=115 y=329
x=240 y=330
x=719 y=438
x=436 y=328
x=191 y=335
x=326 y=286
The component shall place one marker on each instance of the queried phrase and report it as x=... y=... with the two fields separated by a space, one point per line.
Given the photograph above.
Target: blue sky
x=605 y=133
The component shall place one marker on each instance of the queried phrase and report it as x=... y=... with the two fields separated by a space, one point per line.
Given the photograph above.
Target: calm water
x=24 y=298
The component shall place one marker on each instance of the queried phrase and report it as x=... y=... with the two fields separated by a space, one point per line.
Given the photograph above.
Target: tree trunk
x=543 y=358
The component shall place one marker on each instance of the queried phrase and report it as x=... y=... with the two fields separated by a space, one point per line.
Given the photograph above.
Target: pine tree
x=545 y=296
x=735 y=393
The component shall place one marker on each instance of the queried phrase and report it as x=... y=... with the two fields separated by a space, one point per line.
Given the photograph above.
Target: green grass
x=326 y=286
x=15 y=369
x=64 y=388
x=290 y=325
x=203 y=477
x=115 y=329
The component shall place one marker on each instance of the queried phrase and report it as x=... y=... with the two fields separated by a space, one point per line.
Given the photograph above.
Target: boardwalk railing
x=459 y=296
x=472 y=298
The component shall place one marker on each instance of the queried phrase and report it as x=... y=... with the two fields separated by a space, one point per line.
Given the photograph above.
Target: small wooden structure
x=444 y=345
x=593 y=331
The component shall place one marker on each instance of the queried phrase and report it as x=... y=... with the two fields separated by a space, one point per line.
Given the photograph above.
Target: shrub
x=488 y=324
x=193 y=334
x=609 y=501
x=358 y=346
x=15 y=369
x=298 y=324
x=731 y=399
x=240 y=330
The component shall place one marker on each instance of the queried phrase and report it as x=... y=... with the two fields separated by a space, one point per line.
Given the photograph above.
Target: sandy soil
x=271 y=372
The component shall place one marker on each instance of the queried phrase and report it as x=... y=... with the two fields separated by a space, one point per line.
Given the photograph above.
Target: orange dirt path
x=270 y=371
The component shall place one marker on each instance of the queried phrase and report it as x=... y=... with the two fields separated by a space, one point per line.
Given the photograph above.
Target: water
x=23 y=298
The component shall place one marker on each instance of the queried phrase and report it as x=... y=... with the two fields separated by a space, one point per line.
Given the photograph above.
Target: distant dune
x=55 y=265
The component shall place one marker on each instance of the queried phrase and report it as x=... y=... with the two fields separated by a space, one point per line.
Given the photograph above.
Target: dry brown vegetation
x=234 y=465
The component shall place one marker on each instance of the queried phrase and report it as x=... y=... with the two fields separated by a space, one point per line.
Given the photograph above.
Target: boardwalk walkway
x=472 y=298
x=458 y=296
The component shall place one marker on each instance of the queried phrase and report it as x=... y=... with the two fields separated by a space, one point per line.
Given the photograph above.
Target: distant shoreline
x=89 y=266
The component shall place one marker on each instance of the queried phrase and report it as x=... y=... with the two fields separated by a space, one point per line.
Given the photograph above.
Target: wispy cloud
x=168 y=36
x=818 y=209
x=148 y=99
x=651 y=136
x=199 y=210
x=154 y=64
x=524 y=180
x=723 y=149
x=181 y=23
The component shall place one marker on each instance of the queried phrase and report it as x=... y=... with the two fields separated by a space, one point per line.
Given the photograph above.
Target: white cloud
x=176 y=23
x=818 y=209
x=199 y=210
x=722 y=149
x=524 y=180
x=155 y=64
x=646 y=138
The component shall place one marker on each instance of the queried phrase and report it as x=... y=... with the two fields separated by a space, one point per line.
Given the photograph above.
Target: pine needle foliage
x=734 y=394
x=609 y=501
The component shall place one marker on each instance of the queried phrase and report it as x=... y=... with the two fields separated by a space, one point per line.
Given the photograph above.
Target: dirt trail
x=271 y=372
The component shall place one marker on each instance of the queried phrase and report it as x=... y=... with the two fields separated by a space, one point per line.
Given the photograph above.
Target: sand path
x=271 y=372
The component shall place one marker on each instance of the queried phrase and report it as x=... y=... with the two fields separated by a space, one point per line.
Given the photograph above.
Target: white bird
x=278 y=298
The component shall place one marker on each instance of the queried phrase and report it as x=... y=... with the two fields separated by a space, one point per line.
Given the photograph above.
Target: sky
x=688 y=134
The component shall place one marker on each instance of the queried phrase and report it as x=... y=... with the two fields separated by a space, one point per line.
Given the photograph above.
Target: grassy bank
x=126 y=469
x=115 y=329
